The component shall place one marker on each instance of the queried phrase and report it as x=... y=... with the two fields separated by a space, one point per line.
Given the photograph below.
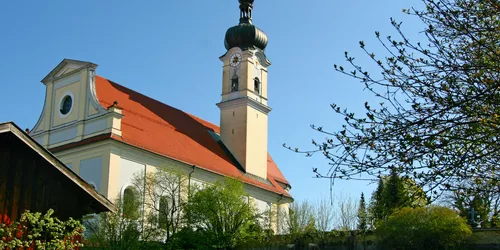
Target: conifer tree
x=377 y=206
x=394 y=195
x=362 y=215
x=362 y=219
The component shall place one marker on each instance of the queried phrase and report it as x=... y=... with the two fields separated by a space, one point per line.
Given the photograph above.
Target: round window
x=66 y=105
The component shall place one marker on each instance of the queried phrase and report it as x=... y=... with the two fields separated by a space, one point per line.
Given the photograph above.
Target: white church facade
x=106 y=132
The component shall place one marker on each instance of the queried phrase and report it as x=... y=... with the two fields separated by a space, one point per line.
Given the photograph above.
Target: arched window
x=163 y=212
x=130 y=203
x=256 y=85
x=234 y=83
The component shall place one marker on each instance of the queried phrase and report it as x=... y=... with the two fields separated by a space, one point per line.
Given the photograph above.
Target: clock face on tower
x=235 y=59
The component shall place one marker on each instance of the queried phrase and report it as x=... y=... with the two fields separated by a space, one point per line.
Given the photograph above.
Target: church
x=106 y=133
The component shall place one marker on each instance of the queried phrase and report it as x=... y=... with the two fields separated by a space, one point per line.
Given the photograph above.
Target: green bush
x=423 y=228
x=37 y=231
x=495 y=221
x=186 y=238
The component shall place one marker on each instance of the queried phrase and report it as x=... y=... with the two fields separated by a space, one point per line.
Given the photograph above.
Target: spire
x=246 y=11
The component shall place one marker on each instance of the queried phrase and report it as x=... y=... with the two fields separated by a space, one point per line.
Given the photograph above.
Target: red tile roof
x=162 y=129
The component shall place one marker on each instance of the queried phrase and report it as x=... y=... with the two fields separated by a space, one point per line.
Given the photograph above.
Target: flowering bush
x=37 y=231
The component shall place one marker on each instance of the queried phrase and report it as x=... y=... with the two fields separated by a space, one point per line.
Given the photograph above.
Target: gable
x=69 y=99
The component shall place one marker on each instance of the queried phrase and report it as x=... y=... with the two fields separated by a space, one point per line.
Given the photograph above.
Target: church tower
x=244 y=110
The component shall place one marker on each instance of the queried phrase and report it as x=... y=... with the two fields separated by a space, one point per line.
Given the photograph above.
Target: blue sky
x=169 y=51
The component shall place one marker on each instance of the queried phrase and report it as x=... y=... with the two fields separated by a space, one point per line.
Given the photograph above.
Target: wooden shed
x=31 y=178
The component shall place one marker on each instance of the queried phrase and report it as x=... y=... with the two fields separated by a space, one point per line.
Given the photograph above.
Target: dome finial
x=245 y=35
x=246 y=11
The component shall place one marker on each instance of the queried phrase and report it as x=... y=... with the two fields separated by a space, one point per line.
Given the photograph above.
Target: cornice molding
x=244 y=101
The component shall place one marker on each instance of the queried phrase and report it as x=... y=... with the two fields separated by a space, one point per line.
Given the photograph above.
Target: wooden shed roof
x=99 y=203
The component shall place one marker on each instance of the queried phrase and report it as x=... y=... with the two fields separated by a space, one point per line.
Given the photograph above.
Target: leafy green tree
x=437 y=116
x=423 y=228
x=220 y=212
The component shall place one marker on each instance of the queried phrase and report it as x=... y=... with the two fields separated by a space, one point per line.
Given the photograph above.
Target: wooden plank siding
x=29 y=182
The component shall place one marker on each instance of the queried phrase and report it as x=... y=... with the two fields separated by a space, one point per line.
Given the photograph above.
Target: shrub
x=187 y=238
x=37 y=231
x=495 y=221
x=423 y=228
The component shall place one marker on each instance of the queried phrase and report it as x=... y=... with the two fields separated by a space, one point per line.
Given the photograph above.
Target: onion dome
x=245 y=35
